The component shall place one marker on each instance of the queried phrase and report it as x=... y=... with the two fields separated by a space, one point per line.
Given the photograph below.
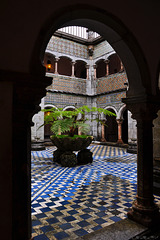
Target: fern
x=61 y=126
x=67 y=121
x=83 y=127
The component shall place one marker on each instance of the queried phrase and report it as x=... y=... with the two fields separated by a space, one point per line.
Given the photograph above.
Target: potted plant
x=67 y=123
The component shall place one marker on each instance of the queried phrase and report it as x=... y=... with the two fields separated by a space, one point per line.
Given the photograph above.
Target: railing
x=79 y=32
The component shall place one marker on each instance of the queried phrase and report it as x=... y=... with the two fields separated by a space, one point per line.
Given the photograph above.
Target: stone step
x=121 y=230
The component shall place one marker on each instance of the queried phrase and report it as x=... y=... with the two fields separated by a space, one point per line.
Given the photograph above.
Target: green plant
x=68 y=121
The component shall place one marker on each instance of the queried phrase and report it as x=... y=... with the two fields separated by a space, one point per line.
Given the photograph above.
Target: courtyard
x=68 y=203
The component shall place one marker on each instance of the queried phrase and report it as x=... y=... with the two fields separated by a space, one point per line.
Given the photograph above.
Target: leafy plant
x=68 y=121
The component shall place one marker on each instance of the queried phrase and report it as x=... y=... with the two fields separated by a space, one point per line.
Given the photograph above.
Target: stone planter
x=65 y=147
x=69 y=144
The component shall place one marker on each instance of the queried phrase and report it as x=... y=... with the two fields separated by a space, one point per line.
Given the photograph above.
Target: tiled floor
x=70 y=202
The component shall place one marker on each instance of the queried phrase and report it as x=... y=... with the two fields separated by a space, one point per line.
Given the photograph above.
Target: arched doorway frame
x=50 y=106
x=121 y=111
x=47 y=131
x=121 y=40
x=69 y=107
x=120 y=121
x=111 y=29
x=103 y=127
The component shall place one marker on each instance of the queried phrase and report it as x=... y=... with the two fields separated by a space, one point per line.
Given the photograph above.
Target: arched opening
x=64 y=66
x=106 y=29
x=125 y=127
x=114 y=64
x=80 y=69
x=133 y=90
x=70 y=109
x=49 y=62
x=111 y=129
x=101 y=68
x=47 y=131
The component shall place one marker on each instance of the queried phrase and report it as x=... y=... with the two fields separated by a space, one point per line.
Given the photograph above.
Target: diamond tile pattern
x=68 y=203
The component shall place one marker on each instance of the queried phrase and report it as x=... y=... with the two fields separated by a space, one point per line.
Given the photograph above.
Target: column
x=56 y=65
x=107 y=67
x=95 y=73
x=79 y=131
x=103 y=133
x=144 y=210
x=73 y=64
x=6 y=90
x=122 y=67
x=19 y=92
x=119 y=122
x=87 y=71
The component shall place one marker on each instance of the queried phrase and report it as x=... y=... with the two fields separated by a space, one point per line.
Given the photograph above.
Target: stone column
x=19 y=92
x=95 y=73
x=103 y=133
x=122 y=67
x=79 y=131
x=87 y=71
x=73 y=64
x=144 y=210
x=56 y=65
x=119 y=122
x=107 y=67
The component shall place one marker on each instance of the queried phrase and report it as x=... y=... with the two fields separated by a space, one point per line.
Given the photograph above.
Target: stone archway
x=138 y=92
x=125 y=47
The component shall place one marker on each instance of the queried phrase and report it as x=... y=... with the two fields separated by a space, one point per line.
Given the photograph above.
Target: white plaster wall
x=132 y=129
x=37 y=134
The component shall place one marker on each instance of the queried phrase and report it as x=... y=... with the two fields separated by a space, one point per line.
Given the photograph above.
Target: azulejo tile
x=68 y=203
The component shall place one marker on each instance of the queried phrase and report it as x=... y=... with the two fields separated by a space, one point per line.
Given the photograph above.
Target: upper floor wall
x=76 y=49
x=72 y=48
x=111 y=83
x=67 y=84
x=101 y=49
x=66 y=57
x=75 y=85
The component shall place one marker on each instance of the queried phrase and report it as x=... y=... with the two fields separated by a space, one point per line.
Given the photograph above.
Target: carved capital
x=107 y=61
x=119 y=121
x=143 y=108
x=73 y=63
x=57 y=59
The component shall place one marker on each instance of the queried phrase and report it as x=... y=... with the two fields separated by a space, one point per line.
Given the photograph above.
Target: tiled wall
x=68 y=84
x=101 y=49
x=63 y=100
x=72 y=48
x=111 y=83
x=109 y=99
x=65 y=46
